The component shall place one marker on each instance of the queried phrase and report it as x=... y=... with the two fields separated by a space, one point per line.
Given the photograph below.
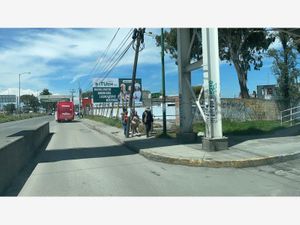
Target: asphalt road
x=10 y=128
x=79 y=161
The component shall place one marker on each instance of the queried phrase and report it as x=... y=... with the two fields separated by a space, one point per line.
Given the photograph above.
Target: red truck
x=64 y=111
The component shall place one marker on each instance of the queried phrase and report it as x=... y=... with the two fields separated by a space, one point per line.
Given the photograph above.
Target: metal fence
x=291 y=115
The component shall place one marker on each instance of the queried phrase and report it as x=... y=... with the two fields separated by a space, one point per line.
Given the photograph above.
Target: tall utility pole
x=79 y=110
x=19 y=102
x=72 y=93
x=214 y=139
x=138 y=34
x=162 y=40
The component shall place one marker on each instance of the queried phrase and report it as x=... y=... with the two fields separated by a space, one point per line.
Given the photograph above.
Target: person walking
x=135 y=122
x=147 y=118
x=124 y=119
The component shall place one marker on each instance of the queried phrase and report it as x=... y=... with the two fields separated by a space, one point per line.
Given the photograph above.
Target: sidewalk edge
x=218 y=163
x=202 y=162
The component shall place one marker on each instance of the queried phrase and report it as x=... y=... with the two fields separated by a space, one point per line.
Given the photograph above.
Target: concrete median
x=17 y=150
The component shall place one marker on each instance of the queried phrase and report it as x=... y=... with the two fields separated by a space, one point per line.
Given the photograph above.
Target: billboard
x=125 y=88
x=116 y=90
x=105 y=90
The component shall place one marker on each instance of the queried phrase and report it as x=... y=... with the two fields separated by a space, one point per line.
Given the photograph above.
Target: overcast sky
x=63 y=59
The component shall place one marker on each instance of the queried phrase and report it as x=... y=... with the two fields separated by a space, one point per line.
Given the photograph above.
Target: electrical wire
x=110 y=61
x=105 y=52
x=115 y=63
x=118 y=60
x=103 y=55
x=114 y=59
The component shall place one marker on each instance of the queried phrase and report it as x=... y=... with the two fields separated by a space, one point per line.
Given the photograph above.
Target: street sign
x=107 y=94
x=105 y=90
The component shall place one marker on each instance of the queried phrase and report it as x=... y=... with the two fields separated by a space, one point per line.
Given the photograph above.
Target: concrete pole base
x=186 y=138
x=214 y=144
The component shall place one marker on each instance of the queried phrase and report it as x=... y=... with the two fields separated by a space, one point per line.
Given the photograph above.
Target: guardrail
x=290 y=115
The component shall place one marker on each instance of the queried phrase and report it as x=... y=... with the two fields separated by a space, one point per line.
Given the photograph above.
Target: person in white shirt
x=137 y=92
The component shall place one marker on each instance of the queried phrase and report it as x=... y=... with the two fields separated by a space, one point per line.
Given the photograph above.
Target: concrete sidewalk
x=243 y=151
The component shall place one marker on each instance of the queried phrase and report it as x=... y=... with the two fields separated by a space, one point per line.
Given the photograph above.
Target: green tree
x=244 y=49
x=286 y=71
x=238 y=46
x=45 y=92
x=171 y=44
x=30 y=102
x=47 y=105
x=9 y=108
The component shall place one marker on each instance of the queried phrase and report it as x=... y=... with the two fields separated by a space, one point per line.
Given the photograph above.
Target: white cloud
x=74 y=51
x=36 y=49
x=15 y=91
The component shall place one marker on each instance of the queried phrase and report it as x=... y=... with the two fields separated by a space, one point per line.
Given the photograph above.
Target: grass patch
x=245 y=128
x=258 y=127
x=7 y=118
x=169 y=135
x=109 y=121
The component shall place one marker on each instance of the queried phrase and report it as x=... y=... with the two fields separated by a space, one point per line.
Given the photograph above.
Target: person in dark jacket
x=147 y=118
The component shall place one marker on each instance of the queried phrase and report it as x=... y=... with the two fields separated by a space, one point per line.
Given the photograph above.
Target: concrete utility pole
x=19 y=100
x=213 y=139
x=138 y=34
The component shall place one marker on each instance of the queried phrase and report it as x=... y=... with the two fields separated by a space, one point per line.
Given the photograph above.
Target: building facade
x=267 y=92
x=7 y=99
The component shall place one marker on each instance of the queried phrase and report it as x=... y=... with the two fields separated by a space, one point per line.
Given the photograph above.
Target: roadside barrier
x=17 y=150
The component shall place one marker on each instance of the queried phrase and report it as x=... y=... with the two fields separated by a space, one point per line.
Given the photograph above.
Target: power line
x=118 y=49
x=115 y=58
x=115 y=63
x=103 y=55
x=111 y=57
x=105 y=52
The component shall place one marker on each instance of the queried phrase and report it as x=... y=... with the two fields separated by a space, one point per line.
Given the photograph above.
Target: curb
x=253 y=162
x=218 y=163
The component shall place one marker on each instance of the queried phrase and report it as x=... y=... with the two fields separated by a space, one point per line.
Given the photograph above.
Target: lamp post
x=20 y=89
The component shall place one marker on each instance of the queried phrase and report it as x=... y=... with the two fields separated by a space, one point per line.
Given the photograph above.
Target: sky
x=56 y=57
x=64 y=59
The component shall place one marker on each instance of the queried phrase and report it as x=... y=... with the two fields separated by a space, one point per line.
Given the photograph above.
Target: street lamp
x=20 y=88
